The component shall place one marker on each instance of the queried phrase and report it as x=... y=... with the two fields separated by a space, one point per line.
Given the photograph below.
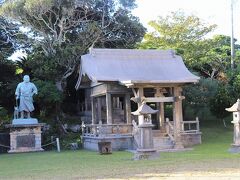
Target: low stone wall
x=190 y=139
x=117 y=143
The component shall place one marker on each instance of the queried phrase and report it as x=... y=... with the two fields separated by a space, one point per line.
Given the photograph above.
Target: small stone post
x=235 y=147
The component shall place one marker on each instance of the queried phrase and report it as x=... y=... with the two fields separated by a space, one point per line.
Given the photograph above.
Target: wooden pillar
x=161 y=117
x=128 y=108
x=140 y=94
x=109 y=108
x=99 y=109
x=93 y=110
x=160 y=113
x=177 y=117
x=160 y=106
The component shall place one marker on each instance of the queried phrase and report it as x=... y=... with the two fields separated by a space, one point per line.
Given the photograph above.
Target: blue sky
x=210 y=11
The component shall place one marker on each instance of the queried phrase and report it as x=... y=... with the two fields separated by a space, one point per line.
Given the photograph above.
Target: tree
x=234 y=83
x=7 y=81
x=216 y=58
x=61 y=31
x=220 y=101
x=10 y=40
x=177 y=31
x=210 y=57
x=68 y=28
x=197 y=96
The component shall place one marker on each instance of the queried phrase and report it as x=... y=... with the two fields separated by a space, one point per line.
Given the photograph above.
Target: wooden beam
x=159 y=99
x=154 y=85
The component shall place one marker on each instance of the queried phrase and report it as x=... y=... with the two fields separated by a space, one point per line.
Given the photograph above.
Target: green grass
x=212 y=155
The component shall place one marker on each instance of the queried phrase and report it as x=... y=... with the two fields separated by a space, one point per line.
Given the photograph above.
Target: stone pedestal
x=235 y=147
x=145 y=148
x=25 y=137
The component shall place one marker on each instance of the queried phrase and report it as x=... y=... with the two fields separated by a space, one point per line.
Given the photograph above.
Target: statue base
x=24 y=121
x=25 y=137
x=235 y=148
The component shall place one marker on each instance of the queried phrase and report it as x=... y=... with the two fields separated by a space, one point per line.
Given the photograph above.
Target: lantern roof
x=144 y=109
x=235 y=107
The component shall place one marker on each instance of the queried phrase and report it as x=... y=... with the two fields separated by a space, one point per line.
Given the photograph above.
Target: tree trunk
x=61 y=126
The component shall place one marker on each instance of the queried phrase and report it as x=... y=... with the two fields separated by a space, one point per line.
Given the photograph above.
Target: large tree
x=188 y=36
x=60 y=31
x=185 y=34
x=215 y=58
x=65 y=29
x=10 y=40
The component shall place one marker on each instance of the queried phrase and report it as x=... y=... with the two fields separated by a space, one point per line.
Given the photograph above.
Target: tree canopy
x=60 y=31
x=187 y=35
x=65 y=29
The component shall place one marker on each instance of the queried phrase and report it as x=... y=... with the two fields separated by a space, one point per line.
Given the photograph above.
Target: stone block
x=145 y=154
x=104 y=147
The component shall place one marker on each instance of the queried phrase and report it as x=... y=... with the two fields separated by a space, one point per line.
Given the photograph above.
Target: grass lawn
x=208 y=159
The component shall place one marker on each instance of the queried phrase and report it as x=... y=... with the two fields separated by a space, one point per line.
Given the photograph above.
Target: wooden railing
x=190 y=126
x=95 y=130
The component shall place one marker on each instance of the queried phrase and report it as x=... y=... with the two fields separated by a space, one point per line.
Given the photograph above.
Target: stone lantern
x=235 y=148
x=145 y=148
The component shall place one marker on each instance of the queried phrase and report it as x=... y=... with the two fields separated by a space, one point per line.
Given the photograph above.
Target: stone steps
x=159 y=133
x=162 y=142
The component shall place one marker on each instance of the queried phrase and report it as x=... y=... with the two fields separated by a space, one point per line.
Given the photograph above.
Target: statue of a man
x=25 y=91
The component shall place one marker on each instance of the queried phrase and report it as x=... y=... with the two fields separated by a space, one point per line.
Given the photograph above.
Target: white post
x=58 y=145
x=198 y=128
x=232 y=37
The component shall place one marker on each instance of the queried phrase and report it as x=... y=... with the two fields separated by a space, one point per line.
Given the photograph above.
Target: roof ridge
x=132 y=52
